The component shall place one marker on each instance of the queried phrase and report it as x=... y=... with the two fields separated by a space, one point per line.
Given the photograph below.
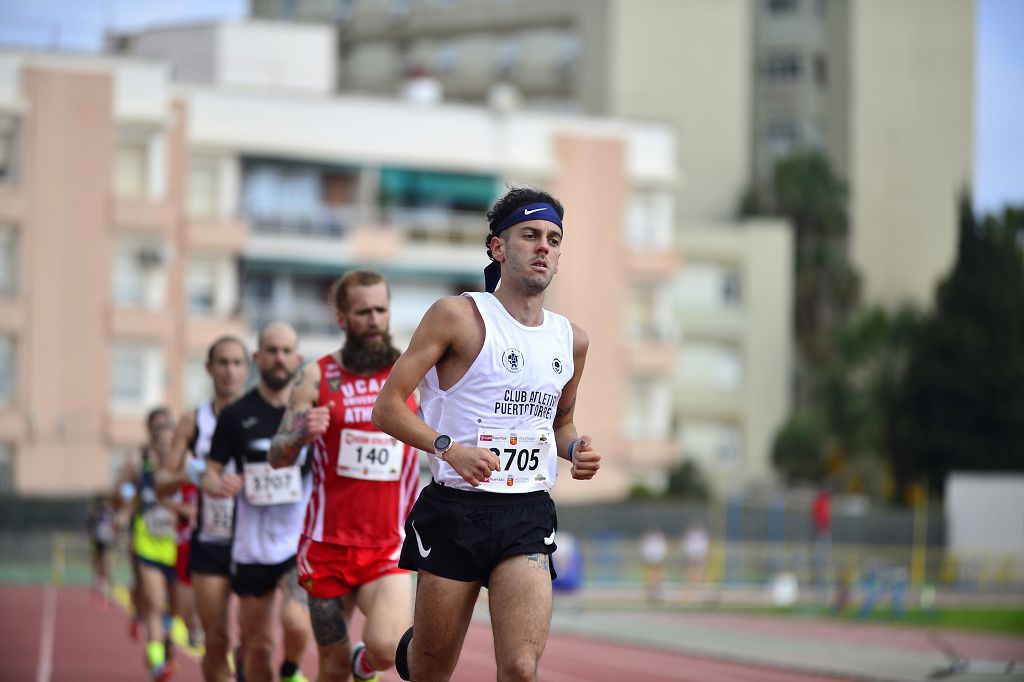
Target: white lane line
x=46 y=634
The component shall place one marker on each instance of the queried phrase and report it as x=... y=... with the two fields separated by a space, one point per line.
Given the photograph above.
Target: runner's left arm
x=584 y=459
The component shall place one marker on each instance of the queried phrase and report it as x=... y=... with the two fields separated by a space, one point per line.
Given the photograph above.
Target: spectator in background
x=653 y=549
x=100 y=527
x=695 y=552
x=821 y=539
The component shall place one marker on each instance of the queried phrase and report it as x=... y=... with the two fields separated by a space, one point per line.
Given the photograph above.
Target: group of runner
x=299 y=496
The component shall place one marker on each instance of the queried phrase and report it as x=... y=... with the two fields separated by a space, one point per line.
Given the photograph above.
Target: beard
x=276 y=382
x=365 y=358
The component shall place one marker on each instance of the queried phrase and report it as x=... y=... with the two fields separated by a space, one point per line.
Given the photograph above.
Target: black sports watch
x=442 y=444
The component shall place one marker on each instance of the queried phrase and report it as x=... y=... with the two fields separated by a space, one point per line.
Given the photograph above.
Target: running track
x=57 y=634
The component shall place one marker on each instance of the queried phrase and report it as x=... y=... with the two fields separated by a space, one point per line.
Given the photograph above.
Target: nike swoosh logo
x=425 y=552
x=550 y=540
x=527 y=211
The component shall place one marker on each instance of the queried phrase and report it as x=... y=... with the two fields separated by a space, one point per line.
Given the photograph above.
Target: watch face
x=442 y=443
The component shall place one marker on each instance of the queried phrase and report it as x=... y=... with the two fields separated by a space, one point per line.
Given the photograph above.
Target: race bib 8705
x=265 y=485
x=370 y=455
x=524 y=459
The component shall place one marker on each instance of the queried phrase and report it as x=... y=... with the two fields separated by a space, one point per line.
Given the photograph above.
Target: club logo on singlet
x=556 y=365
x=513 y=360
x=334 y=383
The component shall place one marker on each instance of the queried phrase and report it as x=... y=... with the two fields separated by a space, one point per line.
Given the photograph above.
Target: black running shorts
x=256 y=580
x=210 y=559
x=462 y=535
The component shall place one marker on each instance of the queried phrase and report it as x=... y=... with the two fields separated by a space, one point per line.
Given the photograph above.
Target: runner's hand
x=473 y=464
x=585 y=460
x=317 y=421
x=230 y=485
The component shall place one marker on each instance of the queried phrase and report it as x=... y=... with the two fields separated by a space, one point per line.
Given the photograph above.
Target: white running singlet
x=506 y=401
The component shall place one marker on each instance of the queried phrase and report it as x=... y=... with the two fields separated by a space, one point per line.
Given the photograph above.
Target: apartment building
x=886 y=91
x=686 y=64
x=221 y=204
x=96 y=317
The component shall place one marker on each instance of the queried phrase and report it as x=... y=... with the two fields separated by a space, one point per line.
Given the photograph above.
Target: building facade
x=686 y=64
x=197 y=209
x=886 y=92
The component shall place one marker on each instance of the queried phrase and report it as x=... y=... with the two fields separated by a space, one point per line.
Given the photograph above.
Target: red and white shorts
x=327 y=571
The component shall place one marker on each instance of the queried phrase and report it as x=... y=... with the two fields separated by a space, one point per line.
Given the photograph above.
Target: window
x=197 y=387
x=718 y=445
x=258 y=287
x=709 y=286
x=136 y=376
x=707 y=364
x=649 y=408
x=201 y=285
x=6 y=468
x=569 y=53
x=508 y=56
x=820 y=70
x=8 y=261
x=732 y=289
x=139 y=271
x=447 y=58
x=650 y=219
x=782 y=137
x=782 y=6
x=8 y=149
x=203 y=187
x=782 y=68
x=131 y=168
x=8 y=358
x=650 y=313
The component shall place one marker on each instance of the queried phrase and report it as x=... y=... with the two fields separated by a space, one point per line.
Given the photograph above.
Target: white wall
x=985 y=512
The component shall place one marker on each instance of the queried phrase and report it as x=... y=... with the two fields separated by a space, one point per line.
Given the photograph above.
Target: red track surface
x=60 y=630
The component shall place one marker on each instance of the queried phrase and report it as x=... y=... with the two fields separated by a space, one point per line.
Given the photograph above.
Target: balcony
x=321 y=221
x=331 y=238
x=224 y=235
x=651 y=357
x=142 y=214
x=310 y=318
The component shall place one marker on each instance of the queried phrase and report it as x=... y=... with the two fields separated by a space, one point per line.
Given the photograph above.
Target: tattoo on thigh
x=328 y=618
x=539 y=561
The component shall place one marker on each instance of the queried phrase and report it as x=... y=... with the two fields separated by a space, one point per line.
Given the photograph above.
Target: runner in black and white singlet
x=270 y=505
x=498 y=376
x=209 y=553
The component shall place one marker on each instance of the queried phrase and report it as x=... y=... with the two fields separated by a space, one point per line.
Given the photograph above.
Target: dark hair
x=157 y=412
x=514 y=199
x=212 y=350
x=338 y=296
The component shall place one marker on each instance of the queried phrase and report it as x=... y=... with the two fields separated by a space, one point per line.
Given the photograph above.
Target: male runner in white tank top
x=498 y=377
x=227 y=363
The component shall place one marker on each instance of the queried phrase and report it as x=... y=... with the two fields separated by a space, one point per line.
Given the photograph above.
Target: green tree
x=827 y=287
x=961 y=405
x=686 y=481
x=799 y=451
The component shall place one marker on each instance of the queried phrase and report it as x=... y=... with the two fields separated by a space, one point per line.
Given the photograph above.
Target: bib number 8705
x=525 y=460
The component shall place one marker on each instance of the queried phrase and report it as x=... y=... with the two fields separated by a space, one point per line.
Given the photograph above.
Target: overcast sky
x=999 y=66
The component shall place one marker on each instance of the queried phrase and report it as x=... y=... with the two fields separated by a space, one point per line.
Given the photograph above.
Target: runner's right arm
x=433 y=339
x=303 y=422
x=170 y=477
